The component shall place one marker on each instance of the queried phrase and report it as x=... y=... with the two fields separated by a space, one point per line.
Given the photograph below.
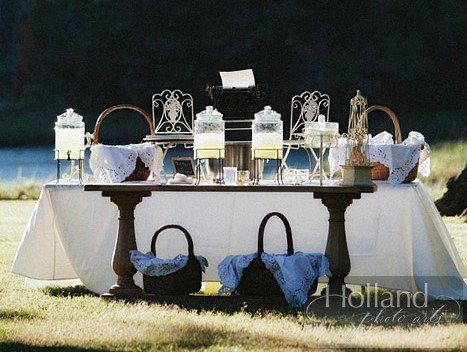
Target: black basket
x=257 y=280
x=182 y=282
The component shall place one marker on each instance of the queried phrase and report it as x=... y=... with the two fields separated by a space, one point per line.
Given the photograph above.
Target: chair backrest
x=174 y=111
x=307 y=107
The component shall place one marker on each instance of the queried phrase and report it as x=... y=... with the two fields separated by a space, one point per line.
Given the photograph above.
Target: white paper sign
x=237 y=79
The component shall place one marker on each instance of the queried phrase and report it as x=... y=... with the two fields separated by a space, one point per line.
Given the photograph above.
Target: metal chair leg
x=284 y=160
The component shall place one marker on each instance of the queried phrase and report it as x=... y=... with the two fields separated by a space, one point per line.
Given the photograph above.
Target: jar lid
x=267 y=115
x=210 y=114
x=70 y=117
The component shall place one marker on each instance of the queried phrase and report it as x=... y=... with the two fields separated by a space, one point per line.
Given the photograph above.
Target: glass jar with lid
x=321 y=132
x=209 y=138
x=69 y=136
x=267 y=138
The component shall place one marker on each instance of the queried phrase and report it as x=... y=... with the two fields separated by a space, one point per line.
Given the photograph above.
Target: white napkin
x=114 y=163
x=416 y=138
x=381 y=138
x=180 y=179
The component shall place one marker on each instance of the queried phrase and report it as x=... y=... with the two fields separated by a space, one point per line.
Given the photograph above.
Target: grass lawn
x=69 y=319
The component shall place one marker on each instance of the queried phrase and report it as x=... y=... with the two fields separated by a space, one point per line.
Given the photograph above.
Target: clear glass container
x=230 y=175
x=315 y=129
x=358 y=115
x=209 y=139
x=69 y=136
x=267 y=137
x=357 y=152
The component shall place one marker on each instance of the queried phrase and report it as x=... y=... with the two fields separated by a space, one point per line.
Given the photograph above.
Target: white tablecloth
x=395 y=235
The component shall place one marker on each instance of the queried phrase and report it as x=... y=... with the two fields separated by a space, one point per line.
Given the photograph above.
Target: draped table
x=395 y=237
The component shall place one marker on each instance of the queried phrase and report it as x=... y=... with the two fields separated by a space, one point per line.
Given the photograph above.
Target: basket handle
x=288 y=232
x=106 y=112
x=392 y=115
x=191 y=253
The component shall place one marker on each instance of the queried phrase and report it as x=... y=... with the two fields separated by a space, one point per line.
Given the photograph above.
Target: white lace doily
x=114 y=163
x=399 y=158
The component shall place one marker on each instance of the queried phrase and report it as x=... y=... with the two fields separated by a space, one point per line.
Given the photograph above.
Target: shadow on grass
x=321 y=313
x=11 y=314
x=184 y=337
x=318 y=312
x=197 y=338
x=69 y=291
x=227 y=304
x=17 y=346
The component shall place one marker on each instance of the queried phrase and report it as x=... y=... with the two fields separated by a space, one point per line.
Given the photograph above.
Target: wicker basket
x=257 y=280
x=182 y=282
x=141 y=172
x=380 y=171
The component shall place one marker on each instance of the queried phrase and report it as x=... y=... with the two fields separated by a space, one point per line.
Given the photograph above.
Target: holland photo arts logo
x=375 y=306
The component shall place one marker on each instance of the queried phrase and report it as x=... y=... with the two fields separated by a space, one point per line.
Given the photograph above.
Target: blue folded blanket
x=150 y=265
x=295 y=273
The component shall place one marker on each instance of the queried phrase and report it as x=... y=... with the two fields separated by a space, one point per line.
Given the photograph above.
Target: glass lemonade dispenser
x=209 y=141
x=70 y=144
x=267 y=142
x=267 y=139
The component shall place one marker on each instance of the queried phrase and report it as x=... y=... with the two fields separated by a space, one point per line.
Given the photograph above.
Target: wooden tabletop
x=151 y=187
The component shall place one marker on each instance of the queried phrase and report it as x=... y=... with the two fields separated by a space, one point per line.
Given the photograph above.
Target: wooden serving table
x=126 y=196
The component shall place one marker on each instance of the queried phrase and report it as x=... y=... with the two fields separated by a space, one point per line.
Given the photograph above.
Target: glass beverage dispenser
x=209 y=139
x=267 y=138
x=69 y=143
x=209 y=145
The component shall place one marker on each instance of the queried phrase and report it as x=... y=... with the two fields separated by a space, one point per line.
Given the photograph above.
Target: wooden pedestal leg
x=336 y=246
x=126 y=241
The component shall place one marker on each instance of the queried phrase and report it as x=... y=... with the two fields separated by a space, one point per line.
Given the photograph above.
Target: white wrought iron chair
x=305 y=107
x=173 y=116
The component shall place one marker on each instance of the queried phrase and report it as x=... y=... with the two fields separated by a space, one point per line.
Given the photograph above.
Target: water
x=30 y=163
x=38 y=162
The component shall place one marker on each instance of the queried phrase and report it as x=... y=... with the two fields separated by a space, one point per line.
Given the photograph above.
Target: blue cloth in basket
x=295 y=273
x=148 y=264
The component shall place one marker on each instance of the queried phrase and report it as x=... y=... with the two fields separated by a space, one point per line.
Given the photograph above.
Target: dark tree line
x=409 y=55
